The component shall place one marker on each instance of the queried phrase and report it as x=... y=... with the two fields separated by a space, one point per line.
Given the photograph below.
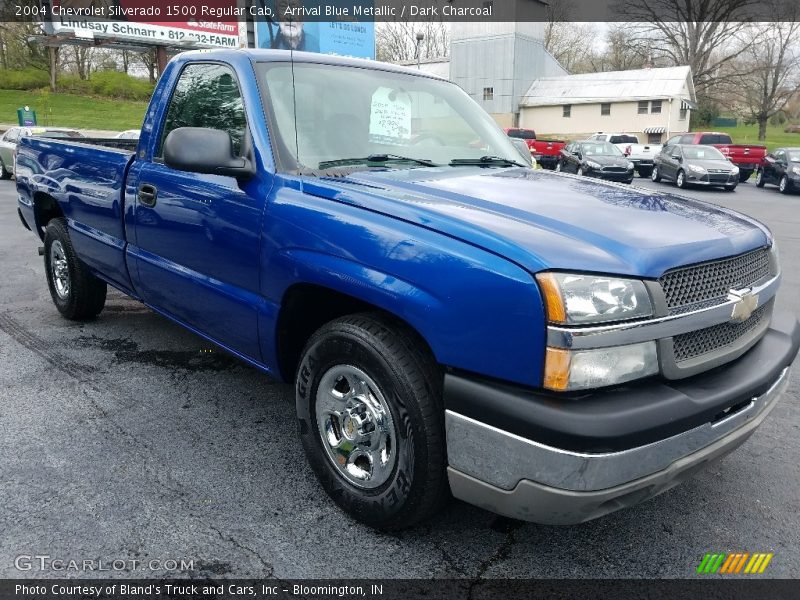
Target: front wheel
x=783 y=186
x=368 y=397
x=760 y=178
x=580 y=172
x=680 y=180
x=558 y=167
x=730 y=188
x=76 y=293
x=655 y=176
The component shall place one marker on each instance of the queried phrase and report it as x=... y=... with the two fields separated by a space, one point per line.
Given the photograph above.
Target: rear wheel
x=783 y=186
x=655 y=175
x=680 y=180
x=558 y=167
x=760 y=178
x=368 y=397
x=76 y=293
x=744 y=175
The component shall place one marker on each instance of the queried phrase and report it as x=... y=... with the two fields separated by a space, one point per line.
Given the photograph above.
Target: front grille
x=614 y=170
x=696 y=343
x=718 y=178
x=713 y=280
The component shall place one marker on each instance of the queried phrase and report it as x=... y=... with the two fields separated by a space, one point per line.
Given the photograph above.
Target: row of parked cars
x=705 y=158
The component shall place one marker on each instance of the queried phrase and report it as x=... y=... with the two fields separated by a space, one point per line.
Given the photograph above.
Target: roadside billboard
x=136 y=21
x=345 y=38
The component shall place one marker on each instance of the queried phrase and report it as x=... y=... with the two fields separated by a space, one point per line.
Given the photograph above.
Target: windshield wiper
x=375 y=158
x=485 y=161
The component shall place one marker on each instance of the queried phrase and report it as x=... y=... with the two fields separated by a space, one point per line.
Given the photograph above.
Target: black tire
x=784 y=187
x=730 y=188
x=579 y=172
x=645 y=172
x=744 y=175
x=655 y=176
x=410 y=382
x=680 y=179
x=760 y=178
x=5 y=173
x=85 y=295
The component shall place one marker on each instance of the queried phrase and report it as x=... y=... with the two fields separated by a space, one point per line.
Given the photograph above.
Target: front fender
x=477 y=311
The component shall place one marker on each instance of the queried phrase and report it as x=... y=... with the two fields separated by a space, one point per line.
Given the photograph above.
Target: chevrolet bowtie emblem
x=746 y=303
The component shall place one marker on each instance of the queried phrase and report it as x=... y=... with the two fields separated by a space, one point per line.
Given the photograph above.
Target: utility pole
x=420 y=37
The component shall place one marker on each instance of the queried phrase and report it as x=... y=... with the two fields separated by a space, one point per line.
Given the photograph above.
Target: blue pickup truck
x=544 y=346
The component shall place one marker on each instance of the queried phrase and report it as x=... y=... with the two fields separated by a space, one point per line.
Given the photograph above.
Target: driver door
x=197 y=236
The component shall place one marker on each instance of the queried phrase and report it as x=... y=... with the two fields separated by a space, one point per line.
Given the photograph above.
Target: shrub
x=23 y=79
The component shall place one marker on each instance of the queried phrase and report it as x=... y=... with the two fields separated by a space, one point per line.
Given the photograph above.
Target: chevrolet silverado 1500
x=544 y=346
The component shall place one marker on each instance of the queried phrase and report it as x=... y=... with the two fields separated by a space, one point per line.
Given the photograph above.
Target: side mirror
x=204 y=150
x=576 y=153
x=677 y=157
x=522 y=148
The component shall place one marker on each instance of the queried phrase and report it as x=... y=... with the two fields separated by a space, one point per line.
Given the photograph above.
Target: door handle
x=147 y=194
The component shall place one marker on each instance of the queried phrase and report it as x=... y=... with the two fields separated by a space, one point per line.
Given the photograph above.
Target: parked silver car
x=695 y=164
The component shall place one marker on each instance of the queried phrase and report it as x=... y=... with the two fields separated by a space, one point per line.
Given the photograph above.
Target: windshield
x=793 y=155
x=702 y=153
x=349 y=112
x=601 y=149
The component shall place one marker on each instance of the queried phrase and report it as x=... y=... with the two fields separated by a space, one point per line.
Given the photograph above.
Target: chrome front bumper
x=513 y=476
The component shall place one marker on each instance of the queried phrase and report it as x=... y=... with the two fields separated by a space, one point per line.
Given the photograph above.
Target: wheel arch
x=45 y=209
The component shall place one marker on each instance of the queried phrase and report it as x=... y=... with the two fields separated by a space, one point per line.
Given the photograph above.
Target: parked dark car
x=689 y=164
x=782 y=168
x=596 y=159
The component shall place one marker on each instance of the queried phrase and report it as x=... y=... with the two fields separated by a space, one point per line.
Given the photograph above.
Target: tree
x=149 y=59
x=569 y=42
x=767 y=75
x=397 y=41
x=702 y=34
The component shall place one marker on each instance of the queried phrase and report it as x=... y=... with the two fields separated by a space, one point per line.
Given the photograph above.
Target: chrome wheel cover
x=59 y=270
x=782 y=185
x=355 y=426
x=680 y=180
x=654 y=174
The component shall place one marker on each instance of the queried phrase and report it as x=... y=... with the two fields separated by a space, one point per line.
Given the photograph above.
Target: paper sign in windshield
x=390 y=117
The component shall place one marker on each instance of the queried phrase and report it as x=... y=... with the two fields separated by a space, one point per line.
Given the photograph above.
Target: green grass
x=67 y=110
x=748 y=134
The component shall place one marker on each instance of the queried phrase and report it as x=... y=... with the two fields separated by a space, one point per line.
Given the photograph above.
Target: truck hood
x=542 y=220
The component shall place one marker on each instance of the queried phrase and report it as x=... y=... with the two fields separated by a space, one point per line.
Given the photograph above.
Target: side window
x=687 y=139
x=206 y=95
x=780 y=156
x=601 y=138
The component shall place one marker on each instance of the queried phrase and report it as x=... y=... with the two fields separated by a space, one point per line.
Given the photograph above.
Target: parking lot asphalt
x=129 y=438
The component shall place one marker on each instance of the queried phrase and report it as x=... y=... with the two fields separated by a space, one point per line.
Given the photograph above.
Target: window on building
x=642 y=107
x=605 y=110
x=567 y=110
x=655 y=107
x=488 y=93
x=682 y=114
x=654 y=138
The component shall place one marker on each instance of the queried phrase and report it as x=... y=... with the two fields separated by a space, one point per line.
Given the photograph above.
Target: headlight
x=593 y=165
x=796 y=170
x=630 y=166
x=567 y=370
x=582 y=299
x=775 y=254
x=735 y=170
x=696 y=169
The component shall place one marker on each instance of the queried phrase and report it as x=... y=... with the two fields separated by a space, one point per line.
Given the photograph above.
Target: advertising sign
x=288 y=31
x=141 y=21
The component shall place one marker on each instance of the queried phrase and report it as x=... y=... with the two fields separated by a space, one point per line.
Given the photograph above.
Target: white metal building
x=651 y=103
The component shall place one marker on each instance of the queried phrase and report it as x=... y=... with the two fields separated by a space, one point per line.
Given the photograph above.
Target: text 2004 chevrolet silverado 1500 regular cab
x=544 y=346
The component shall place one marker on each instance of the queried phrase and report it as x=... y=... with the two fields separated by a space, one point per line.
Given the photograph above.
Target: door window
x=206 y=95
